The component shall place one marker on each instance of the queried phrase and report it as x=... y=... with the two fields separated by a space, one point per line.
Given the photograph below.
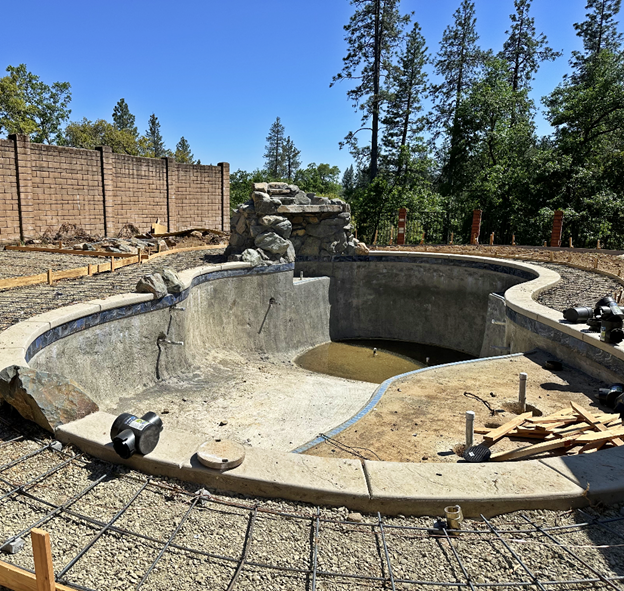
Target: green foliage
x=90 y=134
x=292 y=162
x=123 y=119
x=598 y=32
x=29 y=106
x=152 y=145
x=274 y=155
x=183 y=152
x=321 y=179
x=241 y=186
x=524 y=49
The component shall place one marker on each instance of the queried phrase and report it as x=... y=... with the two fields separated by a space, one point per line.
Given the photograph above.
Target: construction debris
x=574 y=430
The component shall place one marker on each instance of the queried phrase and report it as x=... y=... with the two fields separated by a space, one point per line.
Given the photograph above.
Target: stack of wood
x=573 y=429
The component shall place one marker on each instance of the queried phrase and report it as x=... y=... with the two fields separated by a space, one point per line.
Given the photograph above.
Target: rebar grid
x=312 y=571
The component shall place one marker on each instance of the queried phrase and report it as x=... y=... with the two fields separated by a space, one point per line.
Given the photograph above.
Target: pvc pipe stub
x=221 y=454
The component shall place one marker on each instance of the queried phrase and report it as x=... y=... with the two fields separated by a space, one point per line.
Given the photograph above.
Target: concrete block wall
x=66 y=188
x=9 y=206
x=42 y=187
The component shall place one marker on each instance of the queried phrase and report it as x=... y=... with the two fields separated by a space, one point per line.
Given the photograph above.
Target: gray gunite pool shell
x=418 y=489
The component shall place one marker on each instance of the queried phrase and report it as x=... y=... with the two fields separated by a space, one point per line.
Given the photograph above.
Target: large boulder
x=48 y=399
x=252 y=256
x=172 y=281
x=271 y=242
x=277 y=224
x=153 y=283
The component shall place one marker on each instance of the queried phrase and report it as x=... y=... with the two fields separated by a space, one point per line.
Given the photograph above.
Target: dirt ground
x=422 y=418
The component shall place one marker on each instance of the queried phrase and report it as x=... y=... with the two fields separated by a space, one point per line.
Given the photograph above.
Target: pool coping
x=390 y=487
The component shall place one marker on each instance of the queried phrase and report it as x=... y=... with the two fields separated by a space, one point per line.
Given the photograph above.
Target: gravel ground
x=209 y=533
x=24 y=302
x=576 y=288
x=14 y=263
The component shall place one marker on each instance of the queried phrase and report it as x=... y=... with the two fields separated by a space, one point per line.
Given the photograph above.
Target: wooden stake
x=522 y=391
x=598 y=244
x=50 y=276
x=90 y=271
x=374 y=240
x=422 y=240
x=552 y=255
x=492 y=239
x=513 y=239
x=42 y=554
x=112 y=264
x=451 y=237
x=571 y=242
x=545 y=244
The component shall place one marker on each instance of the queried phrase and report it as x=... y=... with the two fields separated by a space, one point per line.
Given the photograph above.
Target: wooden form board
x=18 y=579
x=80 y=253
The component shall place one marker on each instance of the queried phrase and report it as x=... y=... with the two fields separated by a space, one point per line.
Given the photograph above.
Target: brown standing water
x=374 y=360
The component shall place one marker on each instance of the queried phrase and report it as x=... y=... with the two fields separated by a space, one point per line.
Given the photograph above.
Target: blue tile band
x=80 y=324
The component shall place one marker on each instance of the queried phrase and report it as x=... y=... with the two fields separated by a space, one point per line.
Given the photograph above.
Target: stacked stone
x=280 y=222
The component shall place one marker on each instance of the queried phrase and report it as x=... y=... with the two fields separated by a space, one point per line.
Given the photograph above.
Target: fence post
x=23 y=171
x=476 y=226
x=401 y=227
x=557 y=229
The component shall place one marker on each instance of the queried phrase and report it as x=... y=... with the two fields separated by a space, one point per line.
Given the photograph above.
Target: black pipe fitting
x=131 y=434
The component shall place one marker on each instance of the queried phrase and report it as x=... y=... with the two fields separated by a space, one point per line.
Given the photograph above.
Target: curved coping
x=390 y=487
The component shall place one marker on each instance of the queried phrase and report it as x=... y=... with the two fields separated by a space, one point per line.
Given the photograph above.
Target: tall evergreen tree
x=154 y=140
x=406 y=84
x=372 y=34
x=183 y=152
x=458 y=62
x=348 y=183
x=598 y=32
x=524 y=49
x=123 y=119
x=292 y=162
x=274 y=156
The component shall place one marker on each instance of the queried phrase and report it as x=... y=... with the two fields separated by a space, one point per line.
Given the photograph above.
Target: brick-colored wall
x=66 y=188
x=9 y=211
x=139 y=191
x=42 y=187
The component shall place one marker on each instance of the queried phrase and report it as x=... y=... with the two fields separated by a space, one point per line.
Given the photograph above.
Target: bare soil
x=422 y=417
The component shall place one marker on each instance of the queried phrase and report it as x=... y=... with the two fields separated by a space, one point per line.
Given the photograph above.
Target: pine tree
x=524 y=49
x=348 y=183
x=123 y=119
x=292 y=162
x=373 y=34
x=598 y=32
x=458 y=62
x=406 y=84
x=274 y=156
x=183 y=152
x=155 y=142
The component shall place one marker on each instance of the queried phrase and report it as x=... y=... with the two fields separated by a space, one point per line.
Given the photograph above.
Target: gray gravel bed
x=24 y=302
x=15 y=263
x=576 y=288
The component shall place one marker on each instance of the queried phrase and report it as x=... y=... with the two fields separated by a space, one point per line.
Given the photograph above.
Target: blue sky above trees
x=220 y=73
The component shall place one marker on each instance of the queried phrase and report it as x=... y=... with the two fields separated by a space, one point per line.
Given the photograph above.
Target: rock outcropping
x=280 y=222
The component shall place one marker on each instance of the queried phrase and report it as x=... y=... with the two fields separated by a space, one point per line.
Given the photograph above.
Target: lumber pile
x=573 y=429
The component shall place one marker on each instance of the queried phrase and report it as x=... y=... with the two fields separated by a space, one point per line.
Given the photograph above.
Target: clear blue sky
x=219 y=73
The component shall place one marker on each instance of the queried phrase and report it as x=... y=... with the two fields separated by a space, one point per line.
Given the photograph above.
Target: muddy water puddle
x=374 y=360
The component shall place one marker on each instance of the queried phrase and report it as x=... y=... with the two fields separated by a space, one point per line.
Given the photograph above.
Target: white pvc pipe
x=522 y=392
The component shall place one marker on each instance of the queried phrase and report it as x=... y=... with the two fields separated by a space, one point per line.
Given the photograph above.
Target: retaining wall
x=42 y=187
